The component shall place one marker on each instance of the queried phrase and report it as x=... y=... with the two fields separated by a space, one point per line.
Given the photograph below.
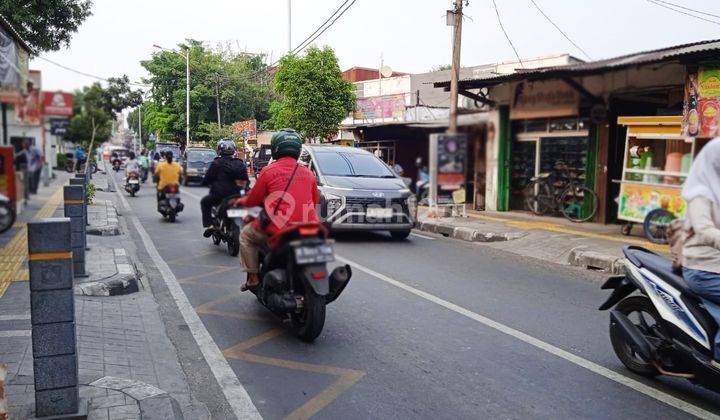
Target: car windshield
x=201 y=156
x=175 y=151
x=352 y=164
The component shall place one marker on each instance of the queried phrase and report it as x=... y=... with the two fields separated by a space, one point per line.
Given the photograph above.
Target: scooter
x=7 y=213
x=228 y=222
x=169 y=204
x=116 y=164
x=666 y=328
x=294 y=281
x=132 y=183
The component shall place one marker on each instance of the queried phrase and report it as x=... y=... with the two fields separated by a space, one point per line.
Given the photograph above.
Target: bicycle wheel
x=578 y=203
x=538 y=198
x=656 y=225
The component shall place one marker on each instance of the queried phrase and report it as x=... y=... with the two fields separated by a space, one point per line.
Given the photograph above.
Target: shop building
x=569 y=115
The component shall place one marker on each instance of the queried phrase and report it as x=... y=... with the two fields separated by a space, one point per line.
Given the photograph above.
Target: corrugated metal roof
x=593 y=67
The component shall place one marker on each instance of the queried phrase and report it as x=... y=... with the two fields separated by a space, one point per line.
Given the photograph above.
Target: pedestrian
x=701 y=251
x=35 y=164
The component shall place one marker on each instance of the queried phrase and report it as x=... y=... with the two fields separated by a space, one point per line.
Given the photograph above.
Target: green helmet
x=286 y=142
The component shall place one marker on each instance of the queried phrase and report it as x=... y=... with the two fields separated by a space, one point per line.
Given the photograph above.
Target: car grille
x=360 y=204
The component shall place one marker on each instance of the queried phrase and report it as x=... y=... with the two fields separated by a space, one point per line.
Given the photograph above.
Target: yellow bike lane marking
x=14 y=254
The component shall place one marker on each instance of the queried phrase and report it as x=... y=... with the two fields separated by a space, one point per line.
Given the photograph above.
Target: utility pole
x=289 y=26
x=140 y=125
x=216 y=76
x=455 y=72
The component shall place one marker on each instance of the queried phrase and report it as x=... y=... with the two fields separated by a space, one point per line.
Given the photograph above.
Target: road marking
x=572 y=358
x=18 y=317
x=430 y=238
x=234 y=392
x=197 y=197
x=15 y=333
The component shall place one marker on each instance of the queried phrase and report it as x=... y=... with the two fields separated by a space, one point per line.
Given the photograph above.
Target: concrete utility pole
x=455 y=72
x=217 y=76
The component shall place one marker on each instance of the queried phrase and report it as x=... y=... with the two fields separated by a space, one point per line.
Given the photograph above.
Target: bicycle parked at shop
x=561 y=192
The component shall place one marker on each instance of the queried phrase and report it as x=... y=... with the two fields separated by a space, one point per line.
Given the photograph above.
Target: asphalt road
x=427 y=328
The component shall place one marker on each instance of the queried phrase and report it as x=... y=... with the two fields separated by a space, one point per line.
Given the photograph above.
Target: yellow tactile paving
x=14 y=254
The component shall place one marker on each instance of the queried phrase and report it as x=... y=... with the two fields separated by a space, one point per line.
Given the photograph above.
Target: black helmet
x=131 y=155
x=226 y=147
x=286 y=142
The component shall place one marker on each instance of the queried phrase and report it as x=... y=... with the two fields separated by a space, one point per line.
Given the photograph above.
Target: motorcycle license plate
x=378 y=213
x=237 y=213
x=134 y=181
x=314 y=254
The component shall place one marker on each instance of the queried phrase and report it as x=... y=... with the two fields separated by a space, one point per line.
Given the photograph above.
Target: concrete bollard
x=74 y=206
x=83 y=182
x=52 y=315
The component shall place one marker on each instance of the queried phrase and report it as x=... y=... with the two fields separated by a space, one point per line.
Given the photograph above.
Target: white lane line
x=15 y=333
x=235 y=393
x=185 y=191
x=19 y=317
x=430 y=238
x=577 y=360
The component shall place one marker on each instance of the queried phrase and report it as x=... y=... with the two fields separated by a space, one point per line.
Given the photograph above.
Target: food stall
x=656 y=163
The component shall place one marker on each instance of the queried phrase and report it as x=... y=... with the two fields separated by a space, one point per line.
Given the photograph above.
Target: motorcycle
x=294 y=282
x=7 y=213
x=132 y=183
x=169 y=204
x=228 y=222
x=70 y=166
x=666 y=329
x=116 y=164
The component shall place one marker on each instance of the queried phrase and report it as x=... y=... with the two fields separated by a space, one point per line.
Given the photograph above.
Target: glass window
x=201 y=155
x=352 y=164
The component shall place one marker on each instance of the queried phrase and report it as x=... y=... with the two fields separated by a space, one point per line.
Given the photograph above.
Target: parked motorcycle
x=294 y=282
x=70 y=166
x=116 y=164
x=132 y=183
x=7 y=213
x=228 y=222
x=666 y=330
x=169 y=204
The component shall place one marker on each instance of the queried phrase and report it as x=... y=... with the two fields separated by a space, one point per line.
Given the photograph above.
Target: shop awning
x=694 y=51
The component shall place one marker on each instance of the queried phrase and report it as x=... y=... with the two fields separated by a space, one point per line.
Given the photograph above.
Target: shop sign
x=13 y=69
x=390 y=106
x=451 y=161
x=701 y=111
x=543 y=100
x=636 y=201
x=246 y=129
x=58 y=104
x=59 y=126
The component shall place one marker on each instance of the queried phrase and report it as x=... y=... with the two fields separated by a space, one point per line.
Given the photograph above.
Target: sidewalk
x=128 y=367
x=589 y=245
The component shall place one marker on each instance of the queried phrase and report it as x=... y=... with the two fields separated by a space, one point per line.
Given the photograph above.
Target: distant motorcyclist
x=289 y=193
x=80 y=157
x=225 y=177
x=132 y=165
x=167 y=172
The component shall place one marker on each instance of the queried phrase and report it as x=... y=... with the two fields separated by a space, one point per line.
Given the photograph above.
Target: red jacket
x=300 y=200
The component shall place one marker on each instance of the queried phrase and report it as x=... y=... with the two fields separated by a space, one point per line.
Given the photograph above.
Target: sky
x=410 y=35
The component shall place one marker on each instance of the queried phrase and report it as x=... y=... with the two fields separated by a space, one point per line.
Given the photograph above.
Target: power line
x=687 y=8
x=560 y=30
x=321 y=26
x=302 y=47
x=82 y=73
x=506 y=34
x=684 y=13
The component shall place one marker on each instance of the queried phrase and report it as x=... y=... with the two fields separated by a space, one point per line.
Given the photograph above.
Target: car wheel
x=400 y=235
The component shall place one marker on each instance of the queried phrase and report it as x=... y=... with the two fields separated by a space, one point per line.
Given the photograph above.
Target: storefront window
x=657 y=161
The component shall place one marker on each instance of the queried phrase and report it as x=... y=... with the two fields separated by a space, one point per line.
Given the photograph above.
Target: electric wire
x=560 y=30
x=684 y=13
x=82 y=73
x=687 y=8
x=497 y=13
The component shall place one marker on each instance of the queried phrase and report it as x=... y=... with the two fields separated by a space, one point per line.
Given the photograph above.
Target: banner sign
x=452 y=157
x=59 y=126
x=247 y=129
x=544 y=100
x=13 y=69
x=58 y=104
x=391 y=106
x=636 y=201
x=701 y=110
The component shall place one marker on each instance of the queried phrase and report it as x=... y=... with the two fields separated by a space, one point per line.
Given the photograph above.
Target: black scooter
x=169 y=204
x=228 y=222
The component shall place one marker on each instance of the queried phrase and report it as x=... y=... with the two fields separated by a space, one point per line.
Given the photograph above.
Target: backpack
x=679 y=231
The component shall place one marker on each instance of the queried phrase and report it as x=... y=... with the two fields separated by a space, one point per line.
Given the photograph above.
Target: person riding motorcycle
x=289 y=193
x=167 y=172
x=132 y=165
x=225 y=177
x=80 y=157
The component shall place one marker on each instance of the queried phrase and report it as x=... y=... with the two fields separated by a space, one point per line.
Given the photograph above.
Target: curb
x=112 y=228
x=592 y=260
x=124 y=282
x=153 y=402
x=465 y=233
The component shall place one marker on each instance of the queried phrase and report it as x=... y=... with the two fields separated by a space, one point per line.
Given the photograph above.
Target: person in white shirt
x=132 y=165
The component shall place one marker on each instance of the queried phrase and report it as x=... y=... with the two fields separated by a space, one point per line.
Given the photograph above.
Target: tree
x=441 y=67
x=46 y=25
x=314 y=98
x=235 y=80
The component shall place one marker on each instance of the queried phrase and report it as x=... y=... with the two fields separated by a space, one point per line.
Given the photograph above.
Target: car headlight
x=333 y=203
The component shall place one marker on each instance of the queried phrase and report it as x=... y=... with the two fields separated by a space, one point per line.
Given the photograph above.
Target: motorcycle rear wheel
x=233 y=243
x=7 y=216
x=171 y=217
x=308 y=324
x=643 y=308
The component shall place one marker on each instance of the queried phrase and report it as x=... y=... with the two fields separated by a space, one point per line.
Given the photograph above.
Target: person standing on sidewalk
x=35 y=164
x=701 y=252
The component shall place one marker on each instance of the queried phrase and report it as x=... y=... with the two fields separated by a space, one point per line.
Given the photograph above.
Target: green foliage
x=442 y=67
x=314 y=98
x=90 y=192
x=46 y=25
x=236 y=78
x=61 y=161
